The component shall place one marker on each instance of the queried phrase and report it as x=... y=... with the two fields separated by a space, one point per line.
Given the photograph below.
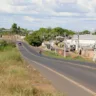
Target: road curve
x=74 y=78
x=89 y=64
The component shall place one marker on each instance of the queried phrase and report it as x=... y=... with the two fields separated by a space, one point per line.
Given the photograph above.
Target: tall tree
x=19 y=30
x=85 y=32
x=14 y=28
x=94 y=32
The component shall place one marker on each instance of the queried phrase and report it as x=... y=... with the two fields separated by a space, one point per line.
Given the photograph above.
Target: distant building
x=85 y=41
x=30 y=32
x=59 y=38
x=6 y=30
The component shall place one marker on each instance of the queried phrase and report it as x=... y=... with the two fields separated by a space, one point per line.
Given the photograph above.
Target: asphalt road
x=74 y=78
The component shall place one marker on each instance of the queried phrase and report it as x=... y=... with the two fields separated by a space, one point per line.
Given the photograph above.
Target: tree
x=18 y=30
x=58 y=31
x=34 y=39
x=24 y=32
x=37 y=37
x=85 y=32
x=14 y=28
x=94 y=32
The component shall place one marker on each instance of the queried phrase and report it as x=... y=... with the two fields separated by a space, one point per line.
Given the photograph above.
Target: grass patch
x=76 y=58
x=52 y=54
x=5 y=45
x=55 y=55
x=17 y=78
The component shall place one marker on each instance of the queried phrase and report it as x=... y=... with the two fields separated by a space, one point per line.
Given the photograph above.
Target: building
x=60 y=38
x=82 y=41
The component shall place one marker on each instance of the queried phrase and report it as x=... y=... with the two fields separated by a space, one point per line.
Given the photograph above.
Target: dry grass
x=17 y=78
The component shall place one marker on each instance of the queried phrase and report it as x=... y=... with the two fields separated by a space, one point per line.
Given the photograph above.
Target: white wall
x=81 y=43
x=87 y=42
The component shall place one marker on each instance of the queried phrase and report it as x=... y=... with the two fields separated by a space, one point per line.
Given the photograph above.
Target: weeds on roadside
x=15 y=79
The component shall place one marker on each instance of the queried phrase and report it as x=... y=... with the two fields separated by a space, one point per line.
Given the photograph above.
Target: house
x=49 y=44
x=82 y=41
x=60 y=38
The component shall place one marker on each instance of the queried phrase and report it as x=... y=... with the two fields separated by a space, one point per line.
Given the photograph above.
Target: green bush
x=46 y=34
x=12 y=44
x=33 y=40
x=4 y=45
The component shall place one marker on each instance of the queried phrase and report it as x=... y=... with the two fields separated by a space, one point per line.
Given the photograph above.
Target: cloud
x=45 y=7
x=66 y=1
x=15 y=7
x=48 y=12
x=65 y=14
x=31 y=19
x=5 y=6
x=88 y=4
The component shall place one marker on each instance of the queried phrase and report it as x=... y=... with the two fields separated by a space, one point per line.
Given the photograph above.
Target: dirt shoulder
x=38 y=81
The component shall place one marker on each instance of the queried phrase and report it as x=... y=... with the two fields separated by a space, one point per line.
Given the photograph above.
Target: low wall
x=85 y=53
x=88 y=53
x=61 y=52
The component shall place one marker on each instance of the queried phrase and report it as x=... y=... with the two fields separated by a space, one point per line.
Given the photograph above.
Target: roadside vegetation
x=37 y=37
x=55 y=55
x=46 y=34
x=18 y=78
x=15 y=29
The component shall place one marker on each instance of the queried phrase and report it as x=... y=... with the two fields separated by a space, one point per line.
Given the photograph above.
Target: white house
x=87 y=41
x=60 y=38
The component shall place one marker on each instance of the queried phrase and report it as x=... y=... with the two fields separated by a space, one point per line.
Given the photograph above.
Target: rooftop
x=85 y=37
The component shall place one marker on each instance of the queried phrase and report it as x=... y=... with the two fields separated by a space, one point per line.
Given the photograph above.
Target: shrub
x=34 y=40
x=4 y=45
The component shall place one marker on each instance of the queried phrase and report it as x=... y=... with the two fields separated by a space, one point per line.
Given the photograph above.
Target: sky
x=33 y=14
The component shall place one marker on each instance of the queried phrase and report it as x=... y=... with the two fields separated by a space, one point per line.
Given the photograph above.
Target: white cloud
x=89 y=4
x=91 y=14
x=65 y=14
x=38 y=2
x=31 y=19
x=42 y=11
x=89 y=19
x=46 y=7
x=67 y=1
x=8 y=6
x=60 y=1
x=5 y=6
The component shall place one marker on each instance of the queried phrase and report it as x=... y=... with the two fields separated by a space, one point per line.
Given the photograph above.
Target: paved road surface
x=74 y=78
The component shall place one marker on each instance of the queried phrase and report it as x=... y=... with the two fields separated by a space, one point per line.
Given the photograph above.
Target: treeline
x=15 y=29
x=37 y=37
x=84 y=32
x=87 y=32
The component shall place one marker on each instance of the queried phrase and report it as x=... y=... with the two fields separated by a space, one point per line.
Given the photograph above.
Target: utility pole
x=78 y=42
x=51 y=41
x=64 y=44
x=94 y=58
x=55 y=46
